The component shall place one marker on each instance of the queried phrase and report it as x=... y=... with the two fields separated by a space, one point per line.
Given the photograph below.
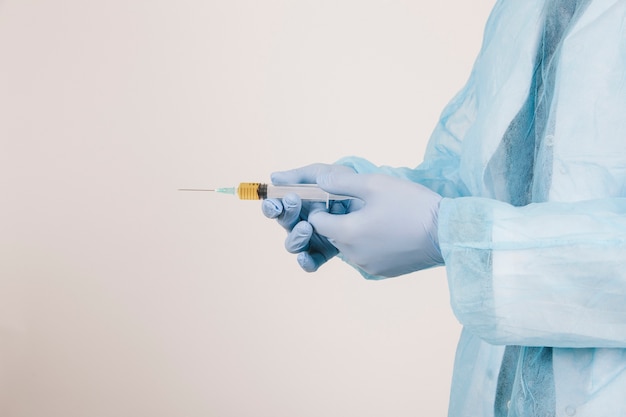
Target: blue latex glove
x=292 y=214
x=391 y=230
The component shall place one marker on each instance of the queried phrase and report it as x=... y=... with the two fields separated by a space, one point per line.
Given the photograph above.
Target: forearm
x=549 y=274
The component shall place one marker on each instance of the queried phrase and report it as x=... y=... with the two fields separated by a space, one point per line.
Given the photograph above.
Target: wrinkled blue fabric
x=535 y=253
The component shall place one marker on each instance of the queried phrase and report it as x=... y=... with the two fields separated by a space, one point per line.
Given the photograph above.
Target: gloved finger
x=319 y=252
x=311 y=262
x=299 y=238
x=290 y=215
x=303 y=175
x=272 y=208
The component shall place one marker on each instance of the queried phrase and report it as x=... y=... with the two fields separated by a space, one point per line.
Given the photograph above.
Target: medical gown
x=530 y=157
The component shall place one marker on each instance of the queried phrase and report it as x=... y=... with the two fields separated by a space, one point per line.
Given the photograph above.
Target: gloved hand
x=390 y=230
x=394 y=233
x=292 y=214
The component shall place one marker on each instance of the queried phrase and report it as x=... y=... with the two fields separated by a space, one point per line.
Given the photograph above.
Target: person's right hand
x=390 y=228
x=292 y=214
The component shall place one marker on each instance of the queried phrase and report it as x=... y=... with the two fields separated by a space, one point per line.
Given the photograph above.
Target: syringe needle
x=195 y=189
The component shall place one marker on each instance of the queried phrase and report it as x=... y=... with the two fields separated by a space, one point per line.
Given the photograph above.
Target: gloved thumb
x=302 y=175
x=306 y=174
x=331 y=226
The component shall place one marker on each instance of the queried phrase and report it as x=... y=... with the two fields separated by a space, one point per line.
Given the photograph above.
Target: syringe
x=260 y=191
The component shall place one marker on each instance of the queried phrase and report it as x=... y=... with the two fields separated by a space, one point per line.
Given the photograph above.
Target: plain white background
x=120 y=296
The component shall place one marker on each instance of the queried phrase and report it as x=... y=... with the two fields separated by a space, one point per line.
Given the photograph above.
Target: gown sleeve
x=550 y=273
x=546 y=274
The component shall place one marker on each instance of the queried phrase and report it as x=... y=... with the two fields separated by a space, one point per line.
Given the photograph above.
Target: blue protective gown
x=535 y=251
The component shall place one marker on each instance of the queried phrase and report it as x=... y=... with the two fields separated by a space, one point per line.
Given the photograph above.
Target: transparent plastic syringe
x=260 y=191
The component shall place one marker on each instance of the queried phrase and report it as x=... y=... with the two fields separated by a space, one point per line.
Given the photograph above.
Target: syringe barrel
x=309 y=192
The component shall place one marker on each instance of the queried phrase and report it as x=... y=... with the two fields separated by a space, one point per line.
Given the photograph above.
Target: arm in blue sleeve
x=547 y=274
